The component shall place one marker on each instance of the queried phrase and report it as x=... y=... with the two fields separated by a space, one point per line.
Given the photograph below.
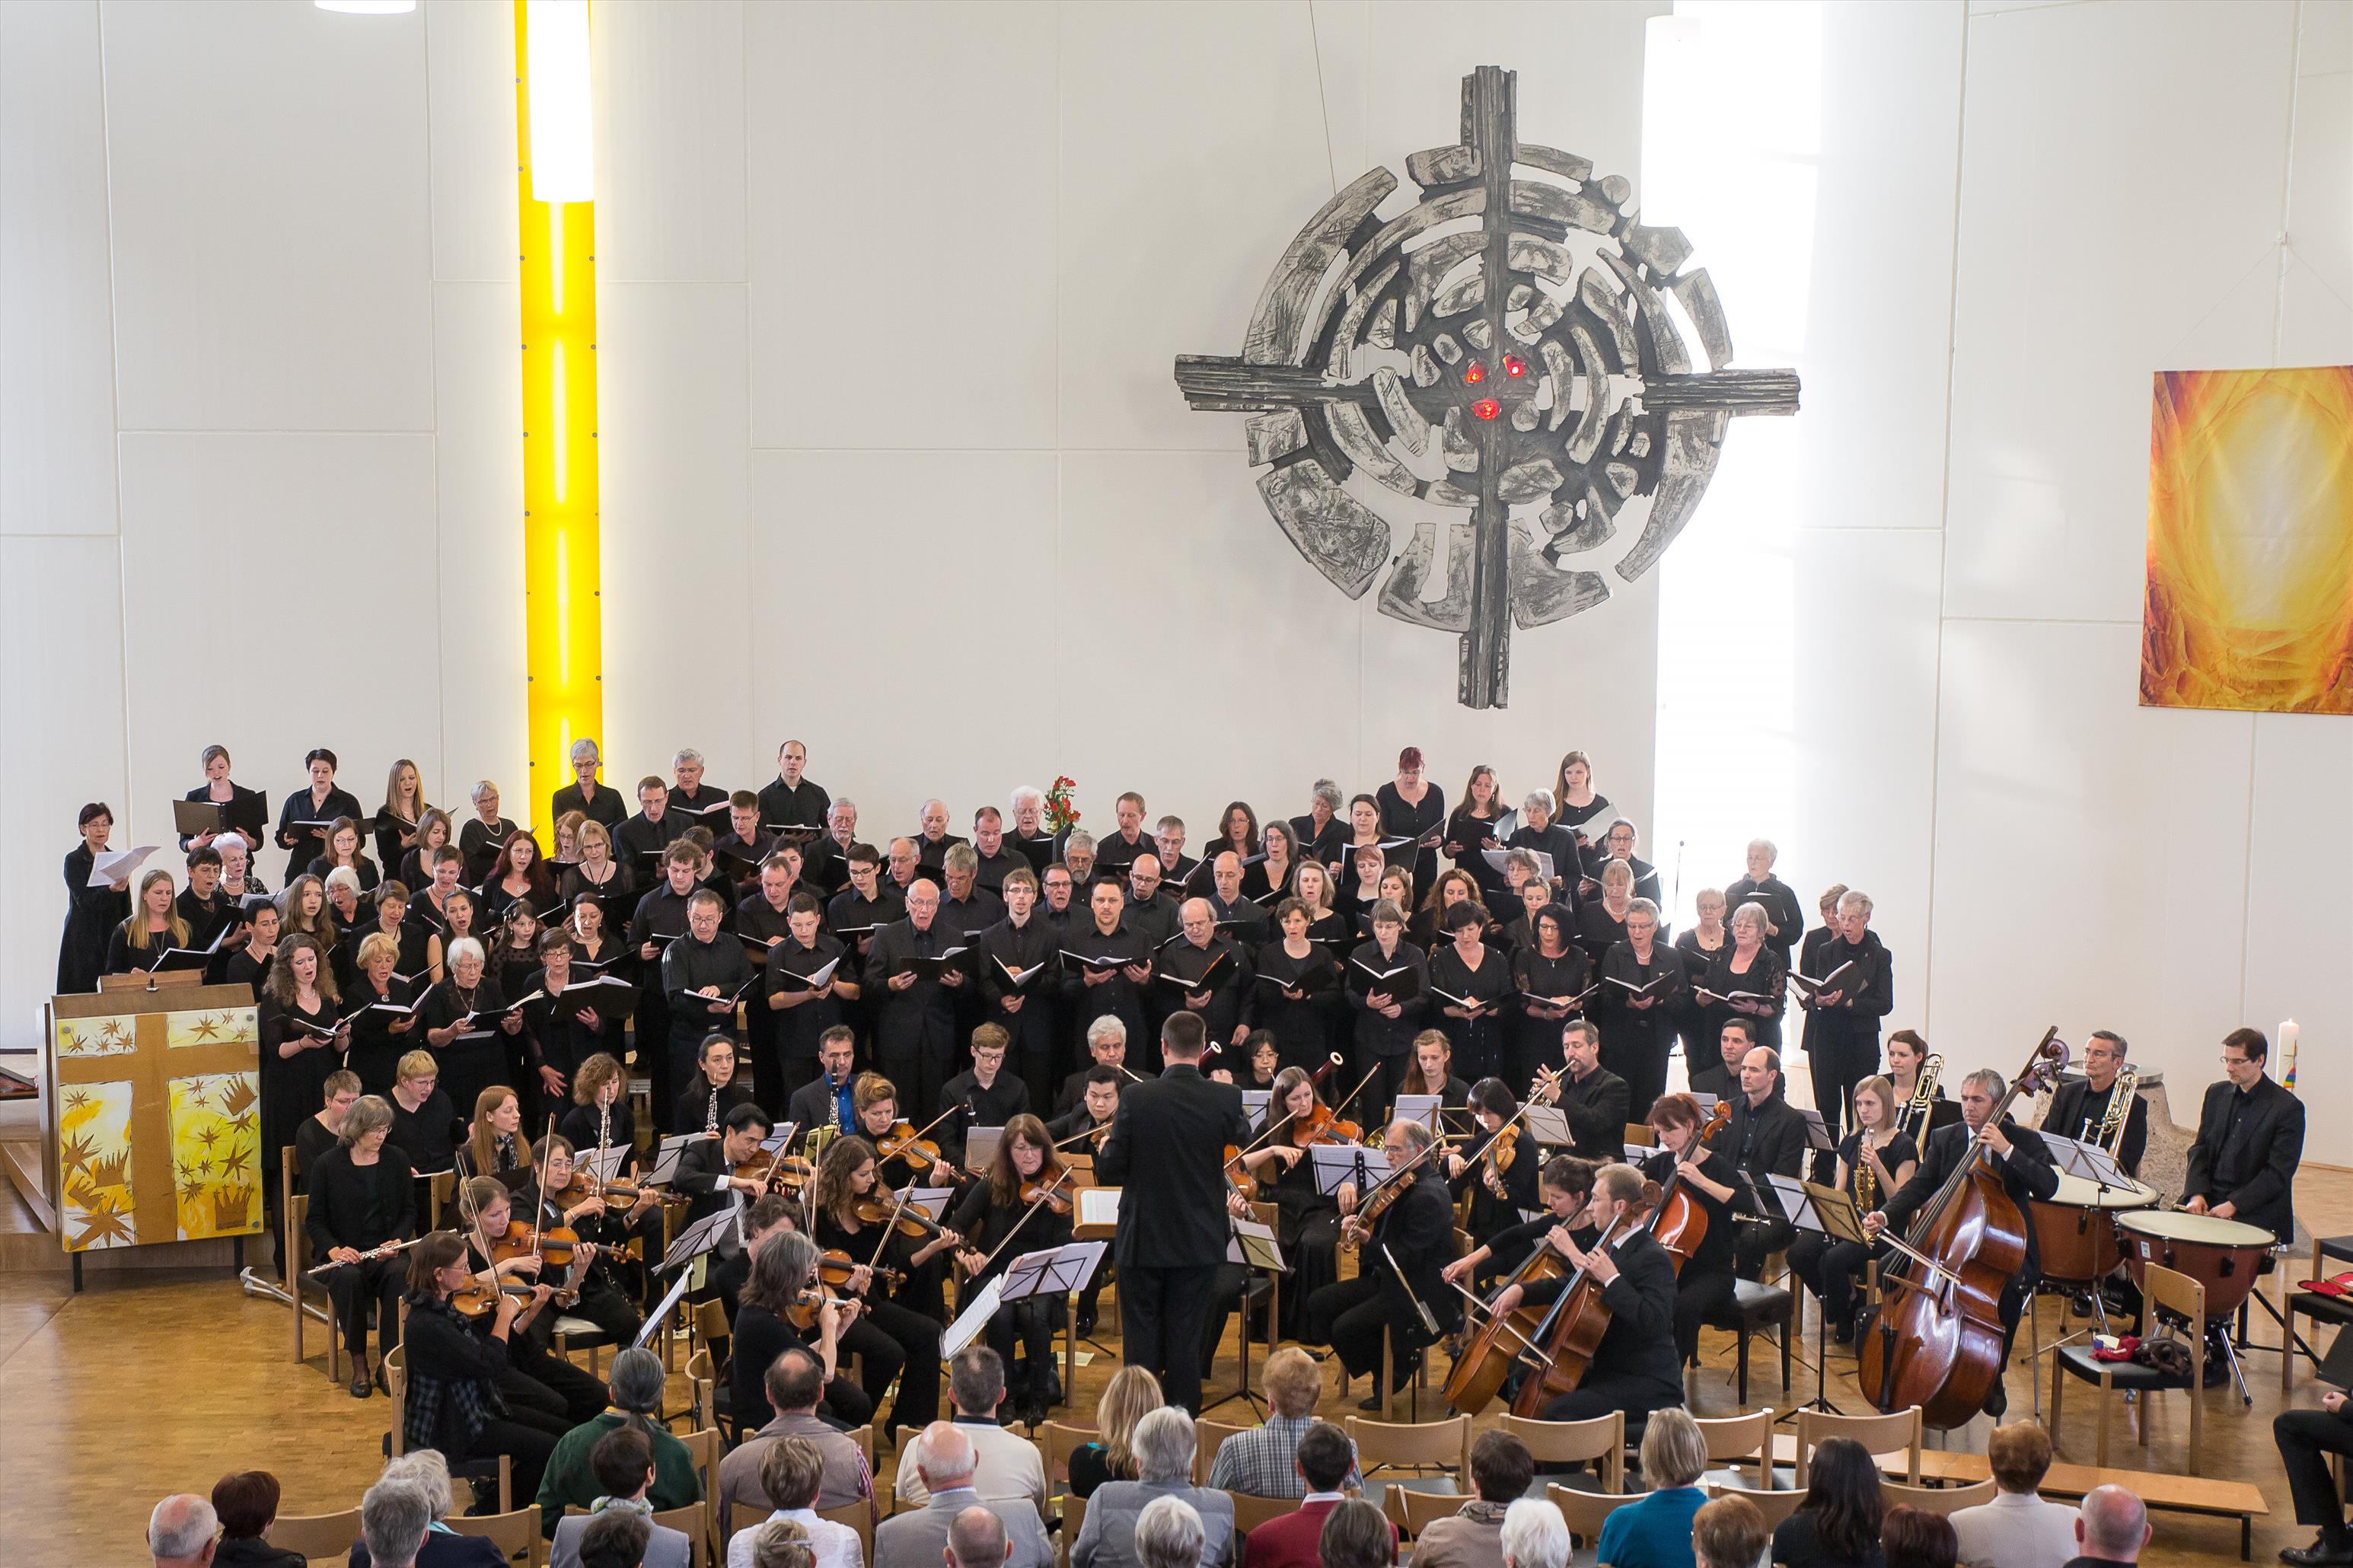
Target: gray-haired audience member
x=394 y=1518
x=181 y=1532
x=1164 y=1446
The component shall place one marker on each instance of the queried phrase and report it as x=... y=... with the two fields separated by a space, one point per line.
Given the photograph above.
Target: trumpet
x=2120 y=1099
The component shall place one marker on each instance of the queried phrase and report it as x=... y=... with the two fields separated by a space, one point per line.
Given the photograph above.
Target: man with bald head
x=914 y=974
x=182 y=1532
x=930 y=1536
x=1204 y=972
x=1766 y=1137
x=901 y=864
x=1151 y=909
x=936 y=840
x=2111 y=1528
x=1236 y=916
x=977 y=1539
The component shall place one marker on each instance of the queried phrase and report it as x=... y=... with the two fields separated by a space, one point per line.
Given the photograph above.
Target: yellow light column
x=564 y=644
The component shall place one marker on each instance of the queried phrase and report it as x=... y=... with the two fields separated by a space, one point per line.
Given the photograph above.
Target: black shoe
x=1373 y=1402
x=2217 y=1373
x=360 y=1386
x=1085 y=1323
x=2319 y=1554
x=381 y=1385
x=1996 y=1401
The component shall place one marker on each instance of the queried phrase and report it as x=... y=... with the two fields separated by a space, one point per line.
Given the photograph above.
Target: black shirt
x=359 y=1206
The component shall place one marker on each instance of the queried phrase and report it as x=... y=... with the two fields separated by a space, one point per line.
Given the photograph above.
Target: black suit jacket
x=2026 y=1174
x=1597 y=1111
x=1641 y=1339
x=607 y=808
x=812 y=1106
x=1172 y=1132
x=2065 y=1119
x=1765 y=1140
x=1418 y=1231
x=2246 y=1156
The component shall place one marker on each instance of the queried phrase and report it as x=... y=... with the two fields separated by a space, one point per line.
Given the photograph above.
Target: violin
x=834 y=1268
x=802 y=1314
x=556 y=1247
x=1501 y=1151
x=909 y=1221
x=778 y=1174
x=617 y=1195
x=1322 y=1125
x=1048 y=1194
x=903 y=1140
x=478 y=1301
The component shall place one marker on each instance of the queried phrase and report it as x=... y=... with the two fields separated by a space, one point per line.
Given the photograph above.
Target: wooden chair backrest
x=1878 y=1434
x=1775 y=1506
x=395 y=1381
x=1938 y=1500
x=1586 y=1510
x=514 y=1534
x=693 y=1521
x=1742 y=1438
x=1249 y=1512
x=1417 y=1446
x=2176 y=1292
x=322 y=1537
x=1060 y=1440
x=859 y=1517
x=1564 y=1442
x=1642 y=1134
x=1413 y=1512
x=1206 y=1436
x=700 y=1378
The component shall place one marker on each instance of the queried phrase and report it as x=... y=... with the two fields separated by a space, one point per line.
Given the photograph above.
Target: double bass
x=1570 y=1333
x=1938 y=1340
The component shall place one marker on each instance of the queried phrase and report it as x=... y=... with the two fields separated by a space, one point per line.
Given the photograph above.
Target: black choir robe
x=914 y=1028
x=640 y=840
x=1782 y=910
x=796 y=1030
x=387 y=828
x=1036 y=1024
x=305 y=845
x=375 y=1049
x=608 y=806
x=245 y=810
x=1467 y=840
x=1478 y=1042
x=92 y=915
x=1636 y=1041
x=1598 y=930
x=1402 y=819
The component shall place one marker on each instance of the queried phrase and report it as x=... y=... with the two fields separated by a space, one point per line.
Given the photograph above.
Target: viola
x=477 y=1301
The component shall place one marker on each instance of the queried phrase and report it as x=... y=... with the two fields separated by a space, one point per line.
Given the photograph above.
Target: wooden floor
x=148 y=1384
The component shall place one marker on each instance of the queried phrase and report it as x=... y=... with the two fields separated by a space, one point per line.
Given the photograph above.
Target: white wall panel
x=2300 y=861
x=669 y=140
x=61 y=639
x=2112 y=228
x=901 y=172
x=57 y=383
x=271 y=217
x=470 y=77
x=477 y=491
x=680 y=633
x=329 y=537
x=1180 y=186
x=920 y=589
x=2092 y=854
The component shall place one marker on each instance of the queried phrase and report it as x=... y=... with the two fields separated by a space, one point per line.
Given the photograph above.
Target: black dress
x=92 y=915
x=1637 y=1041
x=304 y=845
x=1302 y=1027
x=1401 y=819
x=376 y=1051
x=475 y=1059
x=1531 y=1040
x=1478 y=1042
x=245 y=810
x=292 y=1086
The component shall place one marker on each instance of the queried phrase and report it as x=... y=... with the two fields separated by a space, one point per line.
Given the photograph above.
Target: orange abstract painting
x=2249 y=599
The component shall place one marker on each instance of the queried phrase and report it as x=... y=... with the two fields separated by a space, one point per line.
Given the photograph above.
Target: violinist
x=1501 y=1181
x=1293 y=995
x=359 y=1200
x=1708 y=1282
x=770 y=1214
x=2023 y=1163
x=1471 y=984
x=1415 y=1228
x=785 y=1308
x=561 y=1203
x=1552 y=974
x=827 y=1100
x=1091 y=1120
x=1022 y=980
x=1433 y=1072
x=804 y=1010
x=1020 y=1195
x=1876 y=1160
x=1307 y=1222
x=855 y=1216
x=1565 y=1190
x=712 y=1090
x=712 y=1171
x=1634 y=1368
x=500 y=1253
x=920 y=1162
x=984 y=1095
x=1107 y=1045
x=456 y=1377
x=495 y=1144
x=1595 y=1101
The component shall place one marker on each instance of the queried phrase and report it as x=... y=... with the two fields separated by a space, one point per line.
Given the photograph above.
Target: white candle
x=2288 y=1032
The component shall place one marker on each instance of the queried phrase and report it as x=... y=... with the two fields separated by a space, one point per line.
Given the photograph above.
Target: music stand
x=1336 y=1167
x=661 y=1314
x=980 y=1148
x=1421 y=1107
x=1254 y=1103
x=1548 y=1125
x=974 y=1316
x=695 y=1240
x=1829 y=1213
x=1253 y=1245
x=666 y=1158
x=780 y=1137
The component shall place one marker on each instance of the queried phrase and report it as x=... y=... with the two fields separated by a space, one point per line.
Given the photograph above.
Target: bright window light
x=563 y=138
x=366 y=8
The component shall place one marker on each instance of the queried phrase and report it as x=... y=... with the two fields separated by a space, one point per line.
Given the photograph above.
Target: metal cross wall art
x=1505 y=341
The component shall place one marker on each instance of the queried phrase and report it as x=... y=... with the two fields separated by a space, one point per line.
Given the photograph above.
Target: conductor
x=1172 y=1132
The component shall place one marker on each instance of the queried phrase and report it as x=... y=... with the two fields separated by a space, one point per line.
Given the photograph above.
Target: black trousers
x=916 y=1339
x=1838 y=1059
x=1382 y=1088
x=2304 y=1435
x=917 y=1065
x=602 y=1303
x=581 y=1396
x=1832 y=1270
x=1349 y=1317
x=1232 y=1281
x=381 y=1280
x=526 y=1433
x=1160 y=1316
x=1700 y=1294
x=1029 y=1326
x=1759 y=1240
x=1603 y=1393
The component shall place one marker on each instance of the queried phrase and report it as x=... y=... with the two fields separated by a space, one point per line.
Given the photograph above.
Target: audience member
x=182 y=1532
x=636 y=1384
x=427 y=1469
x=1164 y=1445
x=914 y=1538
x=1915 y=1538
x=1472 y=1536
x=977 y=1539
x=792 y=1471
x=779 y=1544
x=623 y=1464
x=1168 y=1534
x=1258 y=1462
x=1838 y=1524
x=1132 y=1394
x=793 y=1385
x=2018 y=1528
x=1321 y=1462
x=246 y=1501
x=1655 y=1532
x=394 y=1519
x=1010 y=1465
x=1726 y=1534
x=1357 y=1536
x=2111 y=1528
x=618 y=1539
x=1533 y=1534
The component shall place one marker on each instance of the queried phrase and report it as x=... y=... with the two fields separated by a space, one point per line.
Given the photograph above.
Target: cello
x=1938 y=1340
x=1570 y=1333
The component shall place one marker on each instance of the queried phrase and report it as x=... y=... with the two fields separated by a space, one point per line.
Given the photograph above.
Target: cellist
x=2024 y=1161
x=1635 y=1367
x=1565 y=1187
x=1706 y=1284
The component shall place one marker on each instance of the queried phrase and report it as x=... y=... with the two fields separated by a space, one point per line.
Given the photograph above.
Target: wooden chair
x=1937 y=1499
x=1206 y=1436
x=1775 y=1506
x=1418 y=1447
x=1060 y=1440
x=695 y=1522
x=859 y=1517
x=700 y=1377
x=1586 y=1510
x=2160 y=1288
x=440 y=1188
x=295 y=1248
x=1413 y=1512
x=1642 y=1133
x=514 y=1534
x=1249 y=1512
x=395 y=1381
x=1569 y=1442
x=1740 y=1438
x=1074 y=1519
x=1878 y=1434
x=704 y=1447
x=321 y=1537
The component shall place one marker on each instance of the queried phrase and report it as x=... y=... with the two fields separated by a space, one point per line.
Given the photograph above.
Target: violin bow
x=888 y=1226
x=1034 y=1206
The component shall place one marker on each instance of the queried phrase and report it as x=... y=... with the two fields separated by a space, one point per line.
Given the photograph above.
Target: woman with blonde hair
x=1131 y=1396
x=396 y=820
x=434 y=830
x=383 y=1013
x=1655 y=1531
x=153 y=928
x=598 y=872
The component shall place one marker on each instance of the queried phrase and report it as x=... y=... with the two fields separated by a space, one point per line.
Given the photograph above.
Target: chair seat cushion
x=580 y=1331
x=2079 y=1360
x=1759 y=1304
x=2337 y=1246
x=2323 y=1309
